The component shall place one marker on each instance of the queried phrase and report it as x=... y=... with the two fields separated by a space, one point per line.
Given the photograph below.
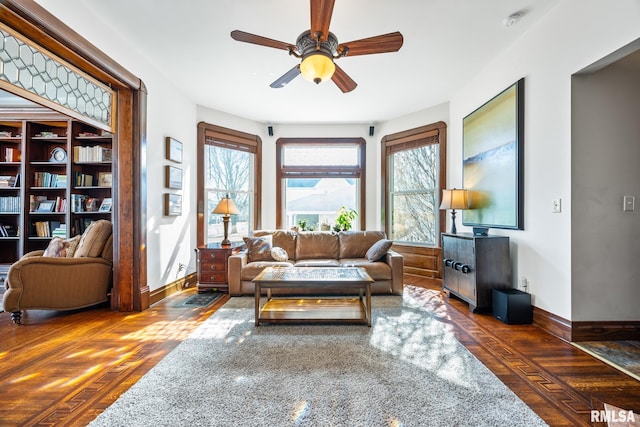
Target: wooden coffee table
x=351 y=280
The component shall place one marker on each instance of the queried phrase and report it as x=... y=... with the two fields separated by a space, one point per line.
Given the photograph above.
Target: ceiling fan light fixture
x=317 y=67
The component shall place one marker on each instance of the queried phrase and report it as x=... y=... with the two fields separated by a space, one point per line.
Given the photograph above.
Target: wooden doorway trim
x=130 y=289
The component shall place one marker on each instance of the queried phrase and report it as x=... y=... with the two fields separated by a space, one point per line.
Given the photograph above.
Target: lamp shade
x=454 y=199
x=317 y=67
x=226 y=207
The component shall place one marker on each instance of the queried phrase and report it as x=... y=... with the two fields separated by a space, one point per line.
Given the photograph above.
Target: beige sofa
x=315 y=249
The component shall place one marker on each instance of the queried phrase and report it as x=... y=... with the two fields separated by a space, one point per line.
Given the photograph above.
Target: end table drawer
x=207 y=267
x=208 y=256
x=213 y=277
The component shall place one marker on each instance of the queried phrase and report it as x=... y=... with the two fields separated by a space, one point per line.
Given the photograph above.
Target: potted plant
x=302 y=225
x=344 y=219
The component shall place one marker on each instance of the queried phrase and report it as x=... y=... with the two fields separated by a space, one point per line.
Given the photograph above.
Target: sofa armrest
x=236 y=263
x=396 y=262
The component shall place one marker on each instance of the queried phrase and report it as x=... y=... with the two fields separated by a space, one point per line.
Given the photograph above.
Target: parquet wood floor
x=62 y=369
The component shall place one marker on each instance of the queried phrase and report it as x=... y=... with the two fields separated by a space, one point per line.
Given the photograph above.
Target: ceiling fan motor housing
x=317 y=56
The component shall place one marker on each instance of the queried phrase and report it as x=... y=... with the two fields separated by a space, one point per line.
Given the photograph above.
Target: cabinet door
x=449 y=254
x=466 y=277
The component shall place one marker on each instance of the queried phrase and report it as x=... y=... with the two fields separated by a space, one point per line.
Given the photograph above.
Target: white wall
x=170 y=240
x=571 y=36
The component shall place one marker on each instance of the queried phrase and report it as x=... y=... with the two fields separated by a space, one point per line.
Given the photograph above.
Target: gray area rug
x=406 y=370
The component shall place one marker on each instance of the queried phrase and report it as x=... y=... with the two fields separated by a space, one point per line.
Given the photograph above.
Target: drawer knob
x=213 y=267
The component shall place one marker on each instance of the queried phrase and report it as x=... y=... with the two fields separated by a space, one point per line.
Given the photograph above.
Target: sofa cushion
x=377 y=270
x=251 y=270
x=93 y=239
x=378 y=250
x=62 y=248
x=279 y=254
x=317 y=244
x=354 y=244
x=258 y=248
x=317 y=262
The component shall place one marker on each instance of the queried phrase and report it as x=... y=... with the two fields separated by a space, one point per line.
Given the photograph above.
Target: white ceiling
x=445 y=43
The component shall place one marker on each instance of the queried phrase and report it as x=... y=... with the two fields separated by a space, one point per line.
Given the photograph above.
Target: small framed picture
x=46 y=206
x=105 y=179
x=174 y=150
x=172 y=204
x=173 y=177
x=105 y=206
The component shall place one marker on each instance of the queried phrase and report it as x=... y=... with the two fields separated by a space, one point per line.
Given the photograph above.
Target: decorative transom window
x=44 y=78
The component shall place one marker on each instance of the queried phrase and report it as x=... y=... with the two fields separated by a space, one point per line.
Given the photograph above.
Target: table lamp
x=226 y=208
x=454 y=199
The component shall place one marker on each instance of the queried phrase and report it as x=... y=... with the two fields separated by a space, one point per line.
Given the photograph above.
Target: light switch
x=557 y=206
x=629 y=203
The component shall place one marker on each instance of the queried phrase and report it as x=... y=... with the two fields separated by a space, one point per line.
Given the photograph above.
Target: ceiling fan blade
x=286 y=77
x=321 y=11
x=241 y=36
x=391 y=42
x=343 y=81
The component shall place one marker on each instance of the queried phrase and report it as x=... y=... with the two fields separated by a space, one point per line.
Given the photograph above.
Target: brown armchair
x=40 y=282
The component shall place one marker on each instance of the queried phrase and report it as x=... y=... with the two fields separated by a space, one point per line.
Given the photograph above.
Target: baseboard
x=605 y=331
x=555 y=325
x=171 y=288
x=586 y=331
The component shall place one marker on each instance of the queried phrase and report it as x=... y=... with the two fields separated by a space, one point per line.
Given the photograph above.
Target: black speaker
x=512 y=306
x=370 y=130
x=270 y=130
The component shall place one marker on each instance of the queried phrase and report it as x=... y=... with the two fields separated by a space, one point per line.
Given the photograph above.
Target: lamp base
x=225 y=225
x=453 y=222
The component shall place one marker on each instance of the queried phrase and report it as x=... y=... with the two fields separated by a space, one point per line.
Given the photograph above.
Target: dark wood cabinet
x=474 y=266
x=212 y=262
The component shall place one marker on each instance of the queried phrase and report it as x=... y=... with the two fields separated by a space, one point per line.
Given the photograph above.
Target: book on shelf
x=49 y=180
x=78 y=202
x=82 y=179
x=10 y=204
x=60 y=231
x=7 y=230
x=61 y=205
x=95 y=153
x=44 y=228
x=12 y=155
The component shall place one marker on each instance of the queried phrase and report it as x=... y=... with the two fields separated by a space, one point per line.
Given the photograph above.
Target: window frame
x=434 y=133
x=219 y=136
x=283 y=172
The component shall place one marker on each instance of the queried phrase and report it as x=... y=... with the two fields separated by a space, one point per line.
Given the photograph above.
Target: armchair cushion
x=93 y=239
x=62 y=248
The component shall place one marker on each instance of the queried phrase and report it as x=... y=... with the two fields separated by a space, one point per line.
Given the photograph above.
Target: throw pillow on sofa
x=279 y=254
x=378 y=250
x=258 y=248
x=61 y=248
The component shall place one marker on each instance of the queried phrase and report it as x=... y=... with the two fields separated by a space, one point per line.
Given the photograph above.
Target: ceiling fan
x=318 y=49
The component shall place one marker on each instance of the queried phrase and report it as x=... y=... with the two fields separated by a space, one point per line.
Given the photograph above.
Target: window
x=317 y=177
x=228 y=162
x=413 y=165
